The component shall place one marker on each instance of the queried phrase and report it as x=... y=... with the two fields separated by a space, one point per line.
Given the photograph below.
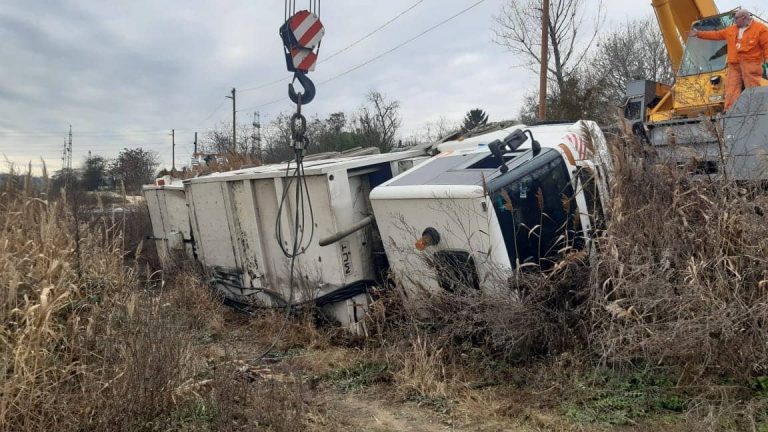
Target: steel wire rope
x=389 y=51
x=299 y=210
x=336 y=53
x=299 y=143
x=297 y=249
x=300 y=190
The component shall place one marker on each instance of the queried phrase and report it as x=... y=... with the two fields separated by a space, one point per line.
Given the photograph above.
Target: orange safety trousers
x=743 y=74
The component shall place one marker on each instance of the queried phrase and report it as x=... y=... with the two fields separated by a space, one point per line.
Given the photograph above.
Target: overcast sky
x=124 y=73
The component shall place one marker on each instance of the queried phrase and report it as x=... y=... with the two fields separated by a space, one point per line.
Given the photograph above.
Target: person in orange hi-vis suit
x=747 y=51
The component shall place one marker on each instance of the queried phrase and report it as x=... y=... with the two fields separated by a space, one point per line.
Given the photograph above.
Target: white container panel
x=213 y=238
x=170 y=220
x=177 y=212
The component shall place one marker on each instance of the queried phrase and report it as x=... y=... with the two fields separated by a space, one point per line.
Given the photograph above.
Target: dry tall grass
x=86 y=342
x=51 y=288
x=683 y=276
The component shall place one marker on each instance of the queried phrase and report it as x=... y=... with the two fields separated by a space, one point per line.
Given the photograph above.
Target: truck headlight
x=429 y=237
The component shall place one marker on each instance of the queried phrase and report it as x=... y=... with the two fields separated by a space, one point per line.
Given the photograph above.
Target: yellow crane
x=686 y=120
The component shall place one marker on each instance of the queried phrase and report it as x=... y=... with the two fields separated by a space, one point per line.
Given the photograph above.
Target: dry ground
x=323 y=380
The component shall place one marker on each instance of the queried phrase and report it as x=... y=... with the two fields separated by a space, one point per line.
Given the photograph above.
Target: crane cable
x=296 y=178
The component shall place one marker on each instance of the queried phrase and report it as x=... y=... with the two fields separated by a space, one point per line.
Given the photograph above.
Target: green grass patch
x=439 y=405
x=622 y=399
x=359 y=376
x=192 y=417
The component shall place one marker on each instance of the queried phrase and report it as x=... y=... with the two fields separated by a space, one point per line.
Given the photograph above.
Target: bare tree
x=378 y=122
x=334 y=134
x=219 y=140
x=635 y=50
x=570 y=38
x=442 y=127
x=276 y=138
x=583 y=97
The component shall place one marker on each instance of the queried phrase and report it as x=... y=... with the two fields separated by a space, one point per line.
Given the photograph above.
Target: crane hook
x=307 y=84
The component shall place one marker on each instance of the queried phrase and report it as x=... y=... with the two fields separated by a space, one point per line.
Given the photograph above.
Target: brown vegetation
x=681 y=281
x=666 y=319
x=676 y=292
x=87 y=342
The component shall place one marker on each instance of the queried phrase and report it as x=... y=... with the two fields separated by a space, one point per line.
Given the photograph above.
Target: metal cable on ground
x=346 y=292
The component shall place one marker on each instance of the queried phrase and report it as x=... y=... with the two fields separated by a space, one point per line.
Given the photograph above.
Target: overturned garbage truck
x=241 y=234
x=505 y=196
x=511 y=199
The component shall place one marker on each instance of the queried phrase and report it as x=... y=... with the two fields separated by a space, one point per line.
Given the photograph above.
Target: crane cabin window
x=705 y=56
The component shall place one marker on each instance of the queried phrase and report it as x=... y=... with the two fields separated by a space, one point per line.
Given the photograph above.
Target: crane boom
x=675 y=18
x=687 y=122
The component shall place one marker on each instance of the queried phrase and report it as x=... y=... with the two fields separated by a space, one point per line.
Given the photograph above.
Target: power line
x=346 y=48
x=214 y=111
x=445 y=21
x=389 y=51
x=91 y=134
x=148 y=133
x=372 y=32
x=261 y=86
x=272 y=102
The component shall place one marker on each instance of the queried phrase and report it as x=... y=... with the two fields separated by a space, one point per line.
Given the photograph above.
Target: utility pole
x=68 y=157
x=544 y=60
x=234 y=121
x=173 y=150
x=195 y=143
x=69 y=150
x=256 y=138
x=64 y=156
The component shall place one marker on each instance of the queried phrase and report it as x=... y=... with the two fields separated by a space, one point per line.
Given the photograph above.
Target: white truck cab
x=484 y=207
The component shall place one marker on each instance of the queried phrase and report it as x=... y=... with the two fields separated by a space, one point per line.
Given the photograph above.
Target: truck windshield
x=705 y=56
x=534 y=204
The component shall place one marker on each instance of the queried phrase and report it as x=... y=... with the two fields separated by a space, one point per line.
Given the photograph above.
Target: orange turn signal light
x=429 y=237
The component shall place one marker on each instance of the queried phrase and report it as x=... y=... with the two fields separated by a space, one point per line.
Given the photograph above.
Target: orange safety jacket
x=754 y=42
